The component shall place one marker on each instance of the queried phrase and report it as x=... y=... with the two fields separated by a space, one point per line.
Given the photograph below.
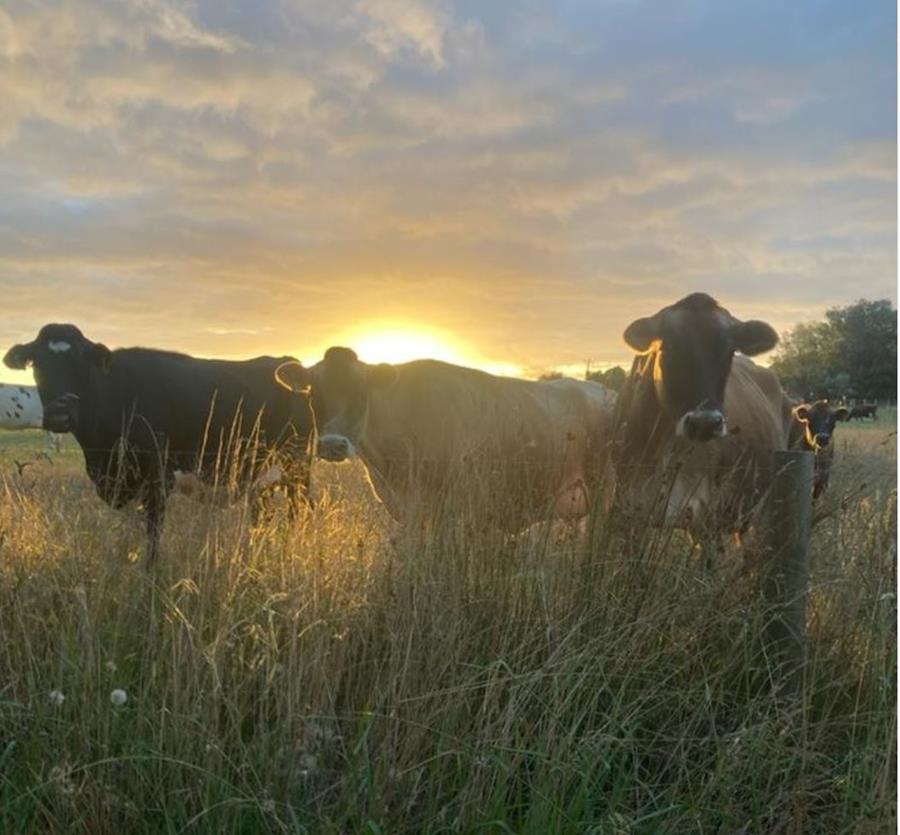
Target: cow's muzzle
x=822 y=440
x=702 y=425
x=335 y=448
x=61 y=415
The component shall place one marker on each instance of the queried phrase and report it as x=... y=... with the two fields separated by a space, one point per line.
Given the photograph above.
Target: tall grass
x=340 y=673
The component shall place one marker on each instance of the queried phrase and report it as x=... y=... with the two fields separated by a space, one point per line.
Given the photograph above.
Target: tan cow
x=698 y=422
x=423 y=425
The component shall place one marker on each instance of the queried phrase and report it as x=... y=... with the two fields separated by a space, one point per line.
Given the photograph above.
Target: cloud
x=396 y=26
x=239 y=177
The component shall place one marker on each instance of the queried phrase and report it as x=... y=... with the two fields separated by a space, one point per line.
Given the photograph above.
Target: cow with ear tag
x=812 y=430
x=63 y=363
x=698 y=420
x=141 y=415
x=425 y=425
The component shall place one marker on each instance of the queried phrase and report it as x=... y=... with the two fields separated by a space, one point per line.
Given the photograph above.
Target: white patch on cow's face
x=59 y=347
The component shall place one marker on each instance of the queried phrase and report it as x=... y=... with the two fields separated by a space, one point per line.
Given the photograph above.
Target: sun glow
x=403 y=344
x=399 y=343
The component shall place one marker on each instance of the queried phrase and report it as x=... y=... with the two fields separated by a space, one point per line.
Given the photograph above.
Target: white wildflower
x=118 y=698
x=61 y=777
x=56 y=698
x=308 y=764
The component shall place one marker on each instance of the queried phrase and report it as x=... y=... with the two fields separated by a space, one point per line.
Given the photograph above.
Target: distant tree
x=613 y=378
x=867 y=339
x=551 y=375
x=805 y=358
x=852 y=353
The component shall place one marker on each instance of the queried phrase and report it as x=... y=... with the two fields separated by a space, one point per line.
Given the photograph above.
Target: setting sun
x=399 y=343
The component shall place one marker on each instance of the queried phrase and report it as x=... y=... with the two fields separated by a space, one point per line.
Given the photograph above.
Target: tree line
x=852 y=354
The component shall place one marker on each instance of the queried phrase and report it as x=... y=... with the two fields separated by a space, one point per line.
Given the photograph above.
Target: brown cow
x=812 y=430
x=697 y=424
x=419 y=425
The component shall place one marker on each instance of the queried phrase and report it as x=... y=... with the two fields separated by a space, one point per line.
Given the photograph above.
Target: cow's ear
x=19 y=356
x=293 y=376
x=754 y=337
x=382 y=375
x=801 y=412
x=842 y=413
x=642 y=333
x=100 y=356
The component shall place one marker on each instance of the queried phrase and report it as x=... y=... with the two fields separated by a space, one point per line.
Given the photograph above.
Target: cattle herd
x=687 y=441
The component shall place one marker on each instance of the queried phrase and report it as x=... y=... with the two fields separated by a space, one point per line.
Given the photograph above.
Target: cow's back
x=192 y=404
x=759 y=413
x=444 y=419
x=442 y=410
x=585 y=405
x=441 y=413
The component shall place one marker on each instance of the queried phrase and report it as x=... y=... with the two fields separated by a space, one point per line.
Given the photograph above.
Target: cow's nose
x=703 y=425
x=822 y=439
x=61 y=414
x=334 y=448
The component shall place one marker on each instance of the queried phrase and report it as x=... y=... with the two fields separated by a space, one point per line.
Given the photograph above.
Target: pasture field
x=341 y=674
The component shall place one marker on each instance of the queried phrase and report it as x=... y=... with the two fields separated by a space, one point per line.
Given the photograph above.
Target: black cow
x=863 y=410
x=811 y=430
x=140 y=415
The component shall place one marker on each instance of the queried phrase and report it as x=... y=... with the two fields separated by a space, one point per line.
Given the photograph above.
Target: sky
x=502 y=184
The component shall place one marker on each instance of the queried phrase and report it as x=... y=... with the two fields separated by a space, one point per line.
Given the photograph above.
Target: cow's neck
x=370 y=444
x=645 y=429
x=388 y=447
x=100 y=421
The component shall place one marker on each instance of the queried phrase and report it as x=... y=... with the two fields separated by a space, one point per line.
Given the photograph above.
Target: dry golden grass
x=345 y=674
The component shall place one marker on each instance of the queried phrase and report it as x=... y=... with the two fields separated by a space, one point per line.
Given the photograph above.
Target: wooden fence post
x=786 y=571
